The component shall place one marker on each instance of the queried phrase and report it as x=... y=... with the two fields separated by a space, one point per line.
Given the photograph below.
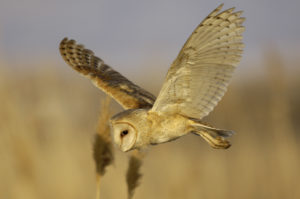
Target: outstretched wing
x=104 y=77
x=198 y=78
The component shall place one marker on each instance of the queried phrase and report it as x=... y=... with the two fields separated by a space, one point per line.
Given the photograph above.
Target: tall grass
x=48 y=121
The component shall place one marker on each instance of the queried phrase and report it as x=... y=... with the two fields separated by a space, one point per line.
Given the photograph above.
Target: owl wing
x=126 y=93
x=198 y=78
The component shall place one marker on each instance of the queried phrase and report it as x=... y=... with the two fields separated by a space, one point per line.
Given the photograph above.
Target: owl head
x=125 y=135
x=127 y=127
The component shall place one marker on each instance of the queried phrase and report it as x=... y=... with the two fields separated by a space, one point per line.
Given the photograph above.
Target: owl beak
x=123 y=148
x=120 y=147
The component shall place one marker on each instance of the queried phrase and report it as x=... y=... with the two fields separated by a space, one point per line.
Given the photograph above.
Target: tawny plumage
x=195 y=83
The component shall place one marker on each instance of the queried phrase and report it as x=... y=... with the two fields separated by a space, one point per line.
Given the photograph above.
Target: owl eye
x=123 y=133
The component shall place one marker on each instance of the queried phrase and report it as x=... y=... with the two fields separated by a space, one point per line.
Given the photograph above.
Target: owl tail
x=216 y=138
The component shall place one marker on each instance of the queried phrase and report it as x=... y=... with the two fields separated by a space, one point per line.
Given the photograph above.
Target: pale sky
x=129 y=33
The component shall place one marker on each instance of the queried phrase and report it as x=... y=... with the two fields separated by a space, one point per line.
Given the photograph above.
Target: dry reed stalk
x=103 y=149
x=133 y=175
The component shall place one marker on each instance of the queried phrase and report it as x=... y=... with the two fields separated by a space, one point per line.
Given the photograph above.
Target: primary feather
x=199 y=76
x=84 y=61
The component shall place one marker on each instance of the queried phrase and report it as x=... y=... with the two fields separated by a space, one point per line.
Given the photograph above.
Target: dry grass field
x=48 y=118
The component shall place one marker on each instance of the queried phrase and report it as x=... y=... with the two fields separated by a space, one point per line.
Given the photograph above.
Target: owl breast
x=166 y=128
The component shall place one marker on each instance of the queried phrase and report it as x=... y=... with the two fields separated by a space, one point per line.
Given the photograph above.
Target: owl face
x=130 y=128
x=125 y=135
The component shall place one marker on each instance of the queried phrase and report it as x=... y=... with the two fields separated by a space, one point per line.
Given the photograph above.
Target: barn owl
x=195 y=83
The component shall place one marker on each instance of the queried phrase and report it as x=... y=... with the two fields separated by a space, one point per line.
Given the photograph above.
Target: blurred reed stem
x=103 y=150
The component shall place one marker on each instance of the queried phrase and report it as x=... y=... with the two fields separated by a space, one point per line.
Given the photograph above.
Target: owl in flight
x=195 y=83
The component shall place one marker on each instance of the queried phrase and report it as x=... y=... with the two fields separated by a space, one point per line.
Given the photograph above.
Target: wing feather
x=84 y=61
x=199 y=76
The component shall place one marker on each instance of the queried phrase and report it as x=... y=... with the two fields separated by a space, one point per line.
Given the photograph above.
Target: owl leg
x=216 y=138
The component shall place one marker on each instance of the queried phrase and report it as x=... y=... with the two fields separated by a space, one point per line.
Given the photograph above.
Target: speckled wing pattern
x=199 y=76
x=84 y=61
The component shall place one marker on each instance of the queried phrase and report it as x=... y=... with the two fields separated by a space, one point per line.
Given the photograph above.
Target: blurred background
x=48 y=112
